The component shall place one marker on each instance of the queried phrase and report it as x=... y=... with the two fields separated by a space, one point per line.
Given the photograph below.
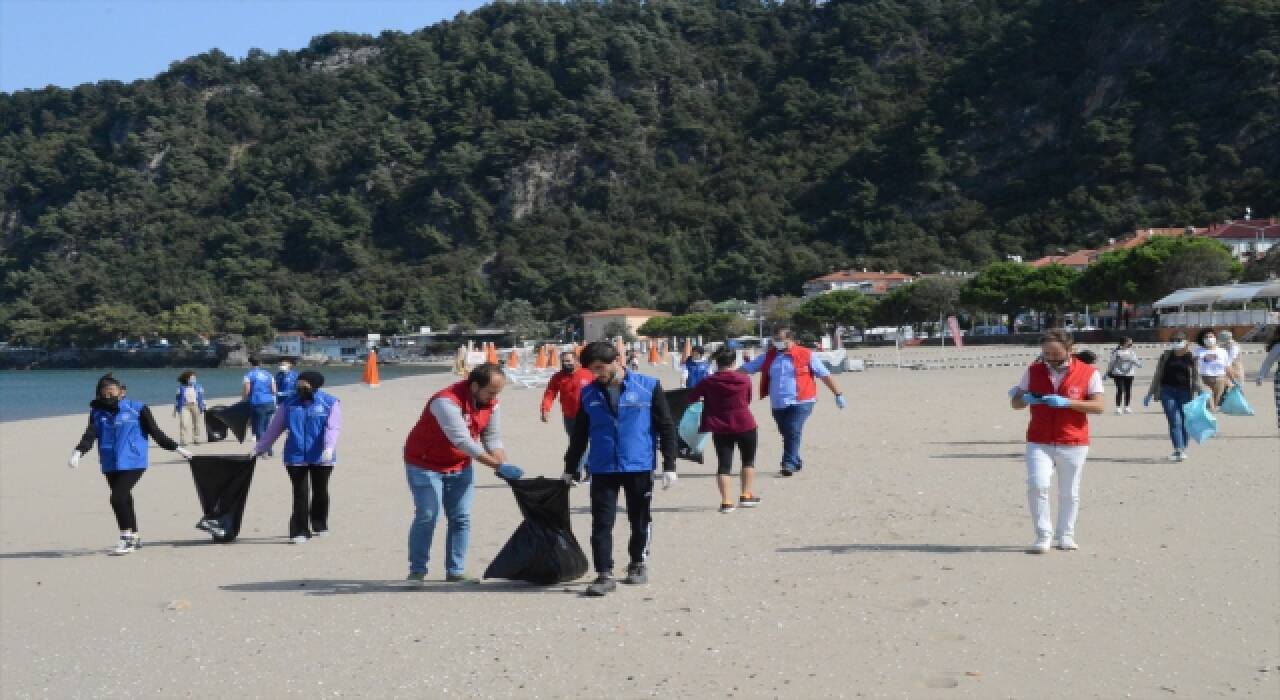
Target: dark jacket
x=727 y=403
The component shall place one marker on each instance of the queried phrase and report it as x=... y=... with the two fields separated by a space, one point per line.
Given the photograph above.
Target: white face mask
x=284 y=368
x=1178 y=344
x=780 y=345
x=1210 y=341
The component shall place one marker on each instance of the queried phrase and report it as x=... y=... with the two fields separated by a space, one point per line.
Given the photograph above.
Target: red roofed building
x=595 y=322
x=1247 y=239
x=869 y=283
x=1077 y=260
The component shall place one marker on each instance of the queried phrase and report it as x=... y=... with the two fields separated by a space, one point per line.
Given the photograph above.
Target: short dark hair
x=725 y=356
x=785 y=332
x=1125 y=340
x=483 y=374
x=697 y=349
x=185 y=377
x=1087 y=356
x=1205 y=332
x=599 y=351
x=254 y=361
x=1057 y=335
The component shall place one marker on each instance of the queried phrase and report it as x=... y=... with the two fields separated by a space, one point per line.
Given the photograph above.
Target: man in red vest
x=568 y=384
x=1061 y=391
x=788 y=376
x=458 y=427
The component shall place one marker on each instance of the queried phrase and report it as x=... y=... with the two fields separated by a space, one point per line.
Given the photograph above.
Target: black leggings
x=122 y=483
x=310 y=505
x=746 y=444
x=1124 y=390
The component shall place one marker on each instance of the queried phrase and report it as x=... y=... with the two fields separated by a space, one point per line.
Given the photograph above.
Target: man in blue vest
x=286 y=380
x=623 y=416
x=260 y=391
x=695 y=367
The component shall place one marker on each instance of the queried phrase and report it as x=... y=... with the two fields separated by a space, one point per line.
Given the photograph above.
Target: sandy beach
x=893 y=566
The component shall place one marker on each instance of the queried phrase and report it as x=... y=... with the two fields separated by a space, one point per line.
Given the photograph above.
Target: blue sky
x=69 y=42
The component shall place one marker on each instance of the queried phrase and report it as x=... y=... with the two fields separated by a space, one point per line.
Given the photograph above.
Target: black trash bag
x=234 y=418
x=543 y=549
x=222 y=485
x=677 y=402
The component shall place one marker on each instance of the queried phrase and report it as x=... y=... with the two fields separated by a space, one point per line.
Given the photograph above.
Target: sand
x=894 y=566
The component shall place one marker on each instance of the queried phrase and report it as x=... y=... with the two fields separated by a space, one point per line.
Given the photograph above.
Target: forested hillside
x=590 y=154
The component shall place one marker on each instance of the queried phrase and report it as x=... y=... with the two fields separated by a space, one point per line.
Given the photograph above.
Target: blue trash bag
x=1233 y=403
x=688 y=429
x=1199 y=422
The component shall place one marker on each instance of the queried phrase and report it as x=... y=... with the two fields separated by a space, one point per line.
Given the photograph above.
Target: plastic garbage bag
x=218 y=420
x=1196 y=418
x=222 y=485
x=543 y=549
x=688 y=429
x=1234 y=404
x=679 y=406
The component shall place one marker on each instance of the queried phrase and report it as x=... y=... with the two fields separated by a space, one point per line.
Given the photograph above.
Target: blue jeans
x=261 y=418
x=430 y=491
x=1172 y=399
x=790 y=422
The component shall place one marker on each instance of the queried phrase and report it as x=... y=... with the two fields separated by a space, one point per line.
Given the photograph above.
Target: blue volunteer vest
x=285 y=383
x=621 y=442
x=306 y=423
x=259 y=387
x=698 y=370
x=122 y=446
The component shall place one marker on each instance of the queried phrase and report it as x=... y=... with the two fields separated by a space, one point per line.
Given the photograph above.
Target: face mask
x=1210 y=341
x=566 y=368
x=779 y=345
x=306 y=394
x=110 y=404
x=1178 y=344
x=191 y=381
x=284 y=368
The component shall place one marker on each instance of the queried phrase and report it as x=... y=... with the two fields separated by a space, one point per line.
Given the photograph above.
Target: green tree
x=517 y=317
x=618 y=329
x=844 y=308
x=999 y=288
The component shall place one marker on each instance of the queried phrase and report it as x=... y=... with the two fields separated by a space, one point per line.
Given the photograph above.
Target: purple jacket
x=727 y=407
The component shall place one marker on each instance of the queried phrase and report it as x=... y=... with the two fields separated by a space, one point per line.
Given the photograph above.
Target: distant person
x=259 y=389
x=694 y=368
x=314 y=421
x=1272 y=360
x=460 y=361
x=1235 y=367
x=286 y=379
x=1061 y=391
x=1176 y=380
x=459 y=427
x=1122 y=368
x=1212 y=361
x=121 y=427
x=788 y=374
x=568 y=384
x=633 y=360
x=188 y=406
x=624 y=416
x=726 y=414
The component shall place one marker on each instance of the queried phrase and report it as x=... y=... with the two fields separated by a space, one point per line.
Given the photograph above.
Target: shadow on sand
x=922 y=548
x=312 y=586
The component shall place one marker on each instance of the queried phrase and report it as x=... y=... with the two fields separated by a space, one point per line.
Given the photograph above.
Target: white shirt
x=1095 y=382
x=1213 y=361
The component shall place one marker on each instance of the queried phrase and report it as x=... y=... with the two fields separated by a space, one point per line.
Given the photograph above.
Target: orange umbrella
x=513 y=360
x=540 y=358
x=688 y=347
x=371 y=369
x=653 y=352
x=577 y=350
x=491 y=355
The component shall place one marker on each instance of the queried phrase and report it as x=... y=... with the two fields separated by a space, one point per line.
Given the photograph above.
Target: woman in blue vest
x=259 y=389
x=695 y=367
x=187 y=406
x=121 y=427
x=286 y=380
x=314 y=420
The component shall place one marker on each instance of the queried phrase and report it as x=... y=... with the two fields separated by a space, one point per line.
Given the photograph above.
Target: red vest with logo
x=427 y=446
x=806 y=387
x=1060 y=426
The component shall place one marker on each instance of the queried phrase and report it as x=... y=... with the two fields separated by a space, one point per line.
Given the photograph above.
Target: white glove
x=74 y=461
x=186 y=454
x=669 y=479
x=326 y=456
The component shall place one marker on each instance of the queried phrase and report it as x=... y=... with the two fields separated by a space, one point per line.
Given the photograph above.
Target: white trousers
x=1042 y=460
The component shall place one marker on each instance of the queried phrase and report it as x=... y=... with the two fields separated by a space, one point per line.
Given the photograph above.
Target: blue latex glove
x=1014 y=391
x=840 y=402
x=1055 y=401
x=1146 y=400
x=510 y=472
x=1030 y=400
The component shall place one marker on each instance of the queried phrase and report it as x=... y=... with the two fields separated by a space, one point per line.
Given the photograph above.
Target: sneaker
x=206 y=524
x=1128 y=410
x=604 y=584
x=727 y=508
x=1067 y=543
x=299 y=539
x=785 y=471
x=637 y=574
x=1042 y=544
x=460 y=578
x=748 y=501
x=1119 y=411
x=1178 y=456
x=321 y=533
x=127 y=544
x=416 y=577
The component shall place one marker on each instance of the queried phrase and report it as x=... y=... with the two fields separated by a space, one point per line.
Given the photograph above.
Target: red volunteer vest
x=806 y=387
x=427 y=446
x=1060 y=426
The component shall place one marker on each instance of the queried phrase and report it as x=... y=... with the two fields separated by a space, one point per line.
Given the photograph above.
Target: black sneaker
x=460 y=578
x=603 y=585
x=748 y=501
x=636 y=574
x=785 y=471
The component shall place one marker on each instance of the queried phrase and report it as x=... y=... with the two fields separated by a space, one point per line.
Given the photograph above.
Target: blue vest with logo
x=122 y=446
x=621 y=441
x=259 y=387
x=285 y=383
x=306 y=422
x=698 y=370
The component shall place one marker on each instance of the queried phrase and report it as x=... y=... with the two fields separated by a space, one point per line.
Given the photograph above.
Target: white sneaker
x=1042 y=544
x=1119 y=411
x=1067 y=543
x=321 y=533
x=1178 y=456
x=1128 y=410
x=300 y=539
x=127 y=544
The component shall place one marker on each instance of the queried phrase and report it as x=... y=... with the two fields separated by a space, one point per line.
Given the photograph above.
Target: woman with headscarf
x=1122 y=369
x=121 y=427
x=314 y=421
x=1176 y=380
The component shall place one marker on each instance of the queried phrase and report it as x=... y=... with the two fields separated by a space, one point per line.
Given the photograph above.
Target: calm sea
x=40 y=393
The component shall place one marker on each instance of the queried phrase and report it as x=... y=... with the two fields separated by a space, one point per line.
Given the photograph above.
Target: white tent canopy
x=1224 y=294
